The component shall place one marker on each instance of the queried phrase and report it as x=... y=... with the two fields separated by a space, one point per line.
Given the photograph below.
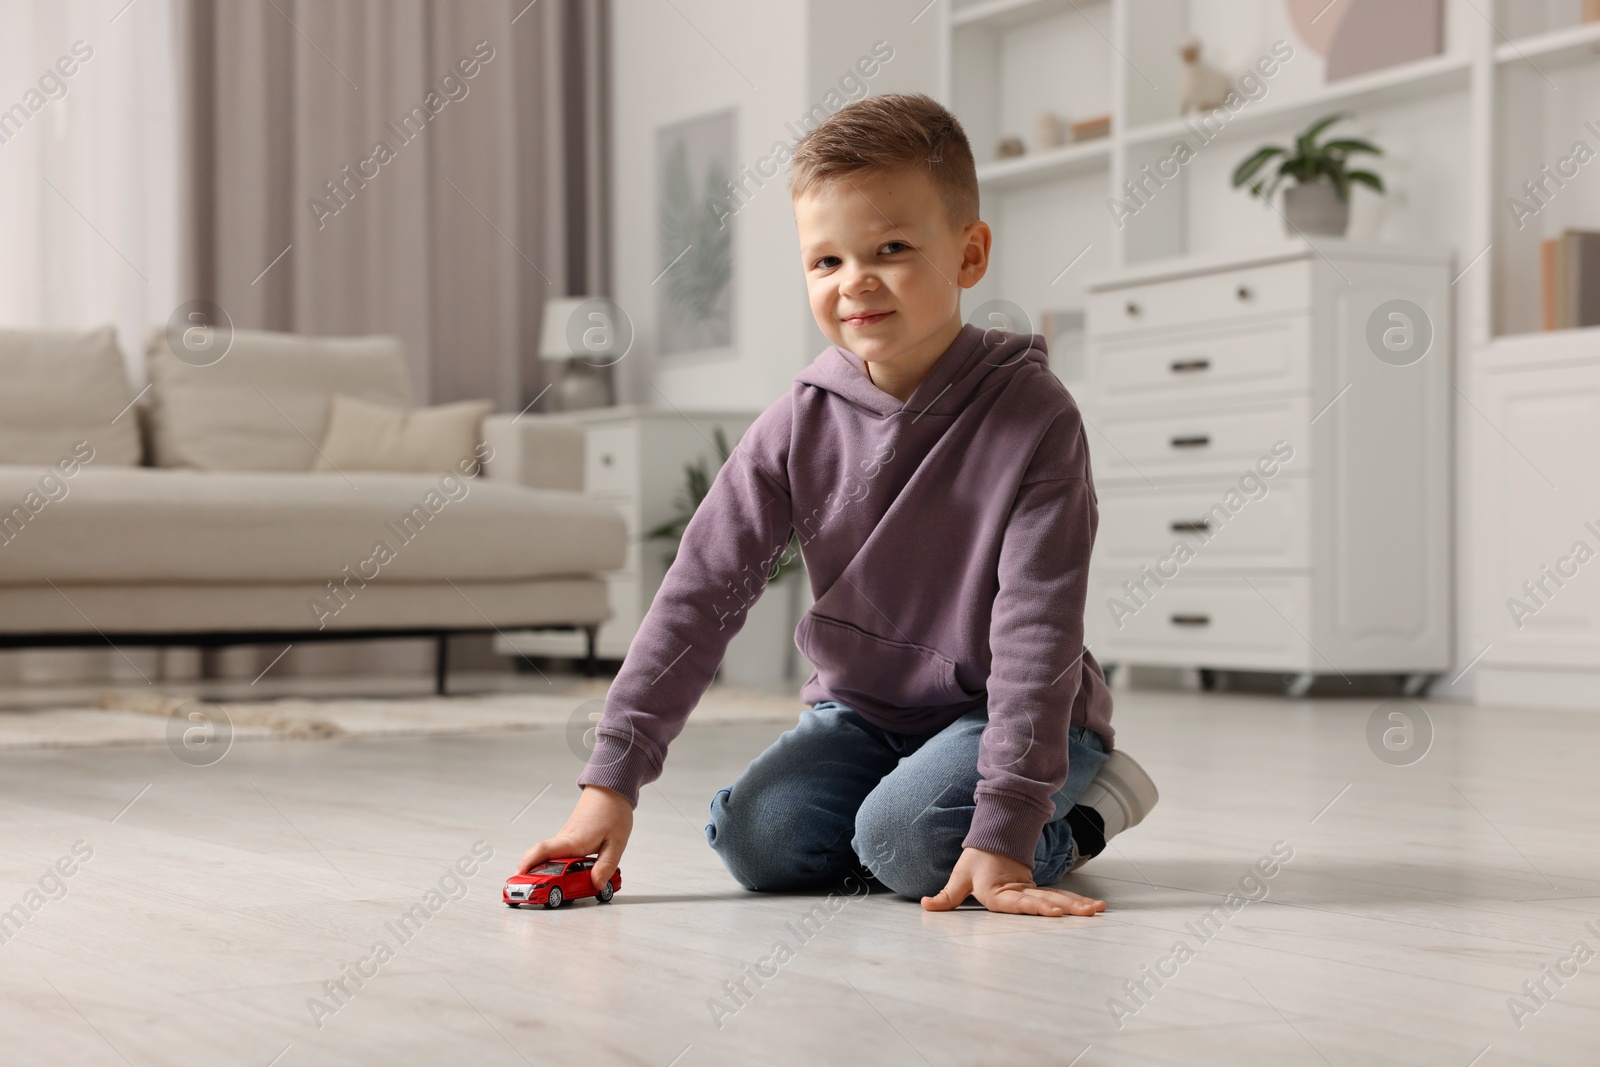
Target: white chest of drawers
x=1273 y=495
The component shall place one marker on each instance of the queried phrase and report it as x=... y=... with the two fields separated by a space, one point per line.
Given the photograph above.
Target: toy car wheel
x=555 y=897
x=605 y=893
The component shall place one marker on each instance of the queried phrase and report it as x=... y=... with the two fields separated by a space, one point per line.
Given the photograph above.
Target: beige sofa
x=190 y=515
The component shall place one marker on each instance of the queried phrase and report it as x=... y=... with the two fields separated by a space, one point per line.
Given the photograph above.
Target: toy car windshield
x=549 y=868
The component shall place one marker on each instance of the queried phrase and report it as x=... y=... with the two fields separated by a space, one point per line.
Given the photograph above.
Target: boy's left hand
x=1002 y=884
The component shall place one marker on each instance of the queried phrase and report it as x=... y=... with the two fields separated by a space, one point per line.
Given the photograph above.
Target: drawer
x=611 y=461
x=1276 y=288
x=1274 y=355
x=1251 y=524
x=1254 y=624
x=1211 y=442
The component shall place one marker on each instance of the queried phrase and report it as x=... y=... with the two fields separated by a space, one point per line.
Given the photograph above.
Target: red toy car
x=556 y=881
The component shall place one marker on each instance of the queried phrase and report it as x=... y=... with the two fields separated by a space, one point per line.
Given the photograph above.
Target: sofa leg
x=441 y=664
x=592 y=636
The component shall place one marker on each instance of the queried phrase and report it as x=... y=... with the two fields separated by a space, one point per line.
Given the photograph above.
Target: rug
x=151 y=718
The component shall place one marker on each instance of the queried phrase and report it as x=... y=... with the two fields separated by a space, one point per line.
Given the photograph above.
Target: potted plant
x=758 y=654
x=1319 y=201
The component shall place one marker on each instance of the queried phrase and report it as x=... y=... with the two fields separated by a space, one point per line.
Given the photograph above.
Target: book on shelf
x=1569 y=268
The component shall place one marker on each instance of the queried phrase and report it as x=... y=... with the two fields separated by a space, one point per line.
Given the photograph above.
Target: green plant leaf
x=1349 y=145
x=1272 y=186
x=1248 y=168
x=1306 y=143
x=1367 y=178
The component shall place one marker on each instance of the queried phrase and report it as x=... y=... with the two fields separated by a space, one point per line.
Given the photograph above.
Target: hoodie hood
x=976 y=360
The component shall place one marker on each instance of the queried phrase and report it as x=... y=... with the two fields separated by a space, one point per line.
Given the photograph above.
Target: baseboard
x=1540 y=687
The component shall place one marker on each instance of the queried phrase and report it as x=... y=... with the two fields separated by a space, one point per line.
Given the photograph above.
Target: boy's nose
x=858 y=282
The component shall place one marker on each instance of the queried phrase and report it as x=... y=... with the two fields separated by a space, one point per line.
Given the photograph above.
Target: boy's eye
x=891 y=248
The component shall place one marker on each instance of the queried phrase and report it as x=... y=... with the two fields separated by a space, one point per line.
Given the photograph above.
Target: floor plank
x=219 y=900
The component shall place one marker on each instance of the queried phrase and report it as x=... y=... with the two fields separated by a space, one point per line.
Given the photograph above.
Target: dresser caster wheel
x=1298 y=685
x=1208 y=679
x=1413 y=685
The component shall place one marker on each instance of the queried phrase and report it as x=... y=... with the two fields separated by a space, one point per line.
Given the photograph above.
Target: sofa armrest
x=533 y=451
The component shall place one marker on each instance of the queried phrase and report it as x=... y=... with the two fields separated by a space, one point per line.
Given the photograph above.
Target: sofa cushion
x=285 y=606
x=264 y=405
x=59 y=387
x=144 y=524
x=378 y=437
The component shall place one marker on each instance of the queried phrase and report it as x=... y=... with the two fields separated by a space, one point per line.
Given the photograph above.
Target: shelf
x=1005 y=14
x=1435 y=74
x=1559 y=46
x=1539 y=349
x=1045 y=166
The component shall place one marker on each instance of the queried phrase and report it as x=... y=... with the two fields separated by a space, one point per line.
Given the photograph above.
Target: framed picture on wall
x=694 y=236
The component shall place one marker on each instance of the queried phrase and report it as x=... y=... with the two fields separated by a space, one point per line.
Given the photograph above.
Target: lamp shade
x=561 y=337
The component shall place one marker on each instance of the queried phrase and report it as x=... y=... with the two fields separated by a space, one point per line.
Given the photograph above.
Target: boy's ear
x=977 y=239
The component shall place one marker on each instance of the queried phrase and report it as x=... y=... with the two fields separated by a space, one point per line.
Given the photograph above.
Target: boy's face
x=885 y=268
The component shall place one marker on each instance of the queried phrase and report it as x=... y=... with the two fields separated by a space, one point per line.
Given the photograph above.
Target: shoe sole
x=1124 y=779
x=1134 y=790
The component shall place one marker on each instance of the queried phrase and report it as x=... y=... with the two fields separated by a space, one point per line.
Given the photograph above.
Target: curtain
x=433 y=169
x=88 y=139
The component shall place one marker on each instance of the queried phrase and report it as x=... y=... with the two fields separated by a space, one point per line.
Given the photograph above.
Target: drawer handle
x=1187 y=366
x=1197 y=441
x=1244 y=292
x=1191 y=526
x=1132 y=309
x=605 y=459
x=1191 y=620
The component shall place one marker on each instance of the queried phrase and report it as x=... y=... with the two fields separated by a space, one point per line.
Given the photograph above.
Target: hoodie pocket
x=851 y=661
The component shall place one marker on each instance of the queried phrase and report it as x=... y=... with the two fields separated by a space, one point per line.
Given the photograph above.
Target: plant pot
x=1315 y=208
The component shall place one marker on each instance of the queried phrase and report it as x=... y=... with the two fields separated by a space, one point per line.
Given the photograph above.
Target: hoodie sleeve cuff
x=620 y=762
x=1006 y=825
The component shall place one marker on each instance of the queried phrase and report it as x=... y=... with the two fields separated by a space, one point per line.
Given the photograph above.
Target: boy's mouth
x=866 y=318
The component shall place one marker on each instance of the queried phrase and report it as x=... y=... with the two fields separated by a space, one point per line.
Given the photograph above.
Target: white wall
x=664 y=71
x=778 y=59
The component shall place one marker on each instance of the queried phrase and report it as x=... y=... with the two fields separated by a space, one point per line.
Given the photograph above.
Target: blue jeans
x=836 y=792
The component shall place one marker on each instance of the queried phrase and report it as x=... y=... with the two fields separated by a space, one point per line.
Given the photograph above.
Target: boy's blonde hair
x=894 y=131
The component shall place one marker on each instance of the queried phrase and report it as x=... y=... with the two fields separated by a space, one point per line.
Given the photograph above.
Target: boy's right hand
x=601 y=822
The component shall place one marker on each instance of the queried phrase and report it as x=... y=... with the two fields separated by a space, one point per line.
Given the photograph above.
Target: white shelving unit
x=1509 y=95
x=1005 y=60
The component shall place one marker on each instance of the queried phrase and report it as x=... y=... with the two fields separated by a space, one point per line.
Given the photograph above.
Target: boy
x=959 y=738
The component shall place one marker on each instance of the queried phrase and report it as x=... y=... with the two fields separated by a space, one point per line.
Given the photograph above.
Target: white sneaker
x=1122 y=794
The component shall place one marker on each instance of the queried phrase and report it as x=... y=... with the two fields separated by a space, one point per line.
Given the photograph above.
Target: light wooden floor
x=1419 y=899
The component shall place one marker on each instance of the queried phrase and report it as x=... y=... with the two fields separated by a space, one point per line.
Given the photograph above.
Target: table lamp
x=581 y=332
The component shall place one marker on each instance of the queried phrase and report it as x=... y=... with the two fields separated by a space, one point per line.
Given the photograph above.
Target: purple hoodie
x=947 y=540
